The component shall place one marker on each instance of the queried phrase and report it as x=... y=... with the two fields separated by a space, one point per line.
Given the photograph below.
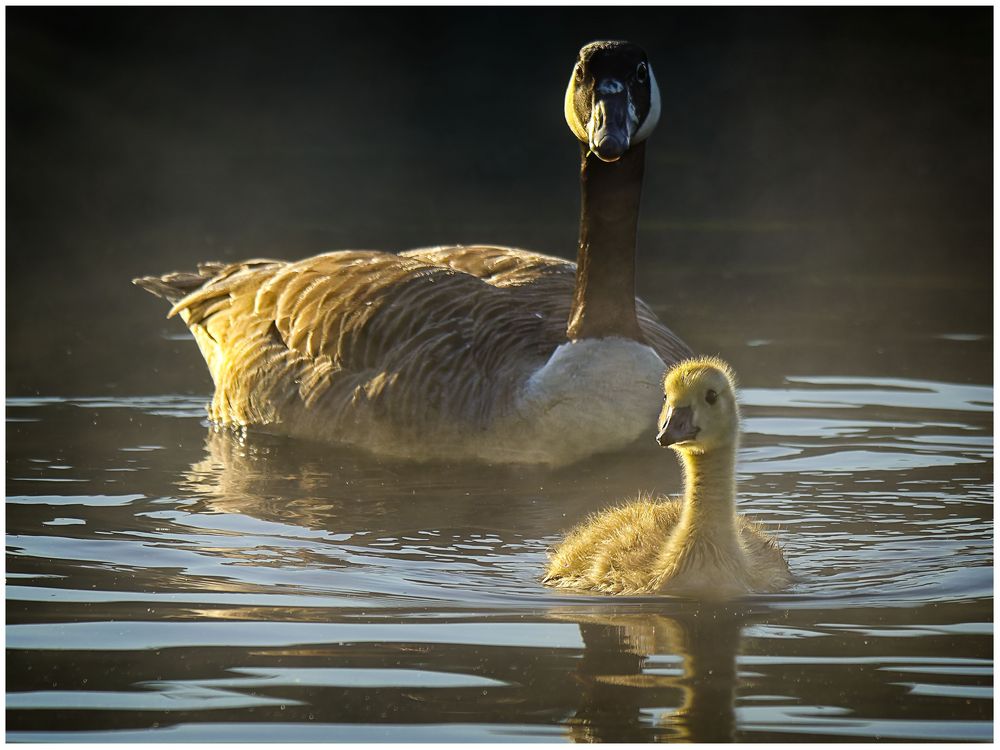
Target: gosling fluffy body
x=697 y=545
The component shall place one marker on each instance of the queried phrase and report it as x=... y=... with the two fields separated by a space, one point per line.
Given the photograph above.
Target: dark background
x=826 y=142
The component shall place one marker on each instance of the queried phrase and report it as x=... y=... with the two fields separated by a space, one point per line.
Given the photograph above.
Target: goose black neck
x=604 y=298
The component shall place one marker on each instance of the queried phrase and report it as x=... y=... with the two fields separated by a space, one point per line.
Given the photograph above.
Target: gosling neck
x=604 y=297
x=710 y=494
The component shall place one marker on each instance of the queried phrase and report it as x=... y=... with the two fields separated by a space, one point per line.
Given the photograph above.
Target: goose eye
x=711 y=397
x=641 y=73
x=578 y=73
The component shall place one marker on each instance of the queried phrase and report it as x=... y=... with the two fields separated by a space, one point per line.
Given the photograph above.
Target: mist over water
x=142 y=141
x=817 y=210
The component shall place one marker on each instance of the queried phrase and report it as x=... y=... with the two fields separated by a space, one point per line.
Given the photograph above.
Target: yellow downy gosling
x=697 y=545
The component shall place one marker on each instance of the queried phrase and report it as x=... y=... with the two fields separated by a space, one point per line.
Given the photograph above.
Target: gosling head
x=612 y=101
x=700 y=413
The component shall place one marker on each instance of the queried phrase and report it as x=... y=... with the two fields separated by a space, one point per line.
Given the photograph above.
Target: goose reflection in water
x=341 y=489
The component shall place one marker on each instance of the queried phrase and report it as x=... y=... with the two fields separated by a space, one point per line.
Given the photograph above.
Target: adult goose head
x=612 y=100
x=612 y=106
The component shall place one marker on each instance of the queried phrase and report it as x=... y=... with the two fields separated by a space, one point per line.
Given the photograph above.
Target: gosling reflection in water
x=624 y=675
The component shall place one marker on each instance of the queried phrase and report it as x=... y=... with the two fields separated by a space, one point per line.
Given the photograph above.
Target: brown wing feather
x=499 y=266
x=370 y=335
x=505 y=266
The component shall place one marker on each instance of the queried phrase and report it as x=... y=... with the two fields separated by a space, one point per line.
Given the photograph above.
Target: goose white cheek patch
x=569 y=110
x=653 y=116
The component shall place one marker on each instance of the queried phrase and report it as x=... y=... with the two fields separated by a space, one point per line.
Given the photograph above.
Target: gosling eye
x=578 y=73
x=711 y=397
x=641 y=73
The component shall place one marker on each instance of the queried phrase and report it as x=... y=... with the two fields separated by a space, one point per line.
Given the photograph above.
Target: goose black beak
x=678 y=427
x=609 y=127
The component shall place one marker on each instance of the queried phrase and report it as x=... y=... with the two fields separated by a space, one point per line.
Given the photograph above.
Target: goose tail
x=175 y=286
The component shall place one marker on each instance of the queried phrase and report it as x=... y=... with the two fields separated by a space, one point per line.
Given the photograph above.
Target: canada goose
x=464 y=352
x=697 y=545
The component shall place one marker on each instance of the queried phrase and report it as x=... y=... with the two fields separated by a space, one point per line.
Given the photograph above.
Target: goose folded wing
x=364 y=334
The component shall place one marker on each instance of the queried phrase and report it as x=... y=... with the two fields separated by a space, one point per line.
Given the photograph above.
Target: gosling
x=696 y=546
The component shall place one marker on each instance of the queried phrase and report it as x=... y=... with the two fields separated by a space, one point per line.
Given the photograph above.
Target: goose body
x=696 y=545
x=461 y=352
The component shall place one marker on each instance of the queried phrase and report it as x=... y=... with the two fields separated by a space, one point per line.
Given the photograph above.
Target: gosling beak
x=678 y=426
x=610 y=130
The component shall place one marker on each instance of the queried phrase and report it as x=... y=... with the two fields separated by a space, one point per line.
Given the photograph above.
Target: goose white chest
x=592 y=396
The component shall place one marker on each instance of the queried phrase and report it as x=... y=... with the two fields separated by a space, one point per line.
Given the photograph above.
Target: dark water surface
x=817 y=212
